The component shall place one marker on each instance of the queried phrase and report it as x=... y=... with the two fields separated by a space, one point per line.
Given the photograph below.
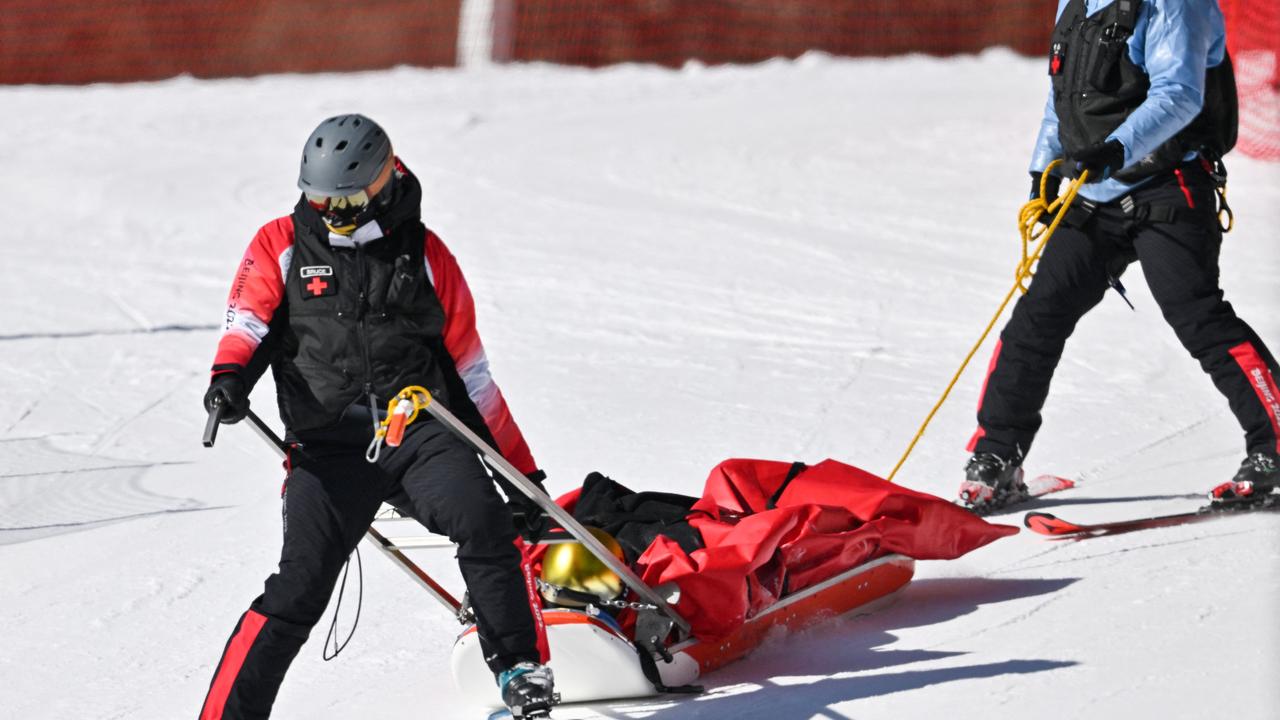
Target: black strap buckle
x=1217 y=171
x=1126 y=21
x=1139 y=213
x=1079 y=213
x=1115 y=32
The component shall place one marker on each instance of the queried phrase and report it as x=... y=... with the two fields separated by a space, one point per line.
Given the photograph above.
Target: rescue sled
x=594 y=658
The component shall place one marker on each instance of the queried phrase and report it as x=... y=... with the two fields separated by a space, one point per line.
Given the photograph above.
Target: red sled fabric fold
x=829 y=518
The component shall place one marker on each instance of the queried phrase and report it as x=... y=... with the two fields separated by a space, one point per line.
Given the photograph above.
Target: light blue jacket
x=1174 y=43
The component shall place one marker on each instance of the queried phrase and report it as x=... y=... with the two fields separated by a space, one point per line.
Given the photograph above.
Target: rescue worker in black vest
x=1143 y=98
x=348 y=300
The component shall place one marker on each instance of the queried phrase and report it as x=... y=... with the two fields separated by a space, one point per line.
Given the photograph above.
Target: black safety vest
x=1096 y=86
x=359 y=324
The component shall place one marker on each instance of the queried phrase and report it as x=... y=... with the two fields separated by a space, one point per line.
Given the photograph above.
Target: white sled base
x=593 y=661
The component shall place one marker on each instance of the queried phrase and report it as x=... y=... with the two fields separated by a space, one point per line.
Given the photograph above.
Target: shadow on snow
x=802 y=675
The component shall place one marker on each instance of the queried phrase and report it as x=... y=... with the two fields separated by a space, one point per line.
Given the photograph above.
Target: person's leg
x=452 y=493
x=328 y=503
x=1180 y=262
x=1070 y=280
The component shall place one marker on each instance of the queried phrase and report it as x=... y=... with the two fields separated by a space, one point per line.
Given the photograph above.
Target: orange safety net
x=1253 y=35
x=602 y=32
x=72 y=41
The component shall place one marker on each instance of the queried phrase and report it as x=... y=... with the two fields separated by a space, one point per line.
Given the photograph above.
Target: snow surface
x=783 y=261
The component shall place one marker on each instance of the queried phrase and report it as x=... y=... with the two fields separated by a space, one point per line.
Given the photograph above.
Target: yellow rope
x=1031 y=230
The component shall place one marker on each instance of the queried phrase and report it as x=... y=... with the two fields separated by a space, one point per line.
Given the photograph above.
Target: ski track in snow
x=100 y=333
x=46 y=491
x=784 y=261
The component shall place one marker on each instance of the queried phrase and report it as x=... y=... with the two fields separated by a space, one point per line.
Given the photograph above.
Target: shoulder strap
x=1127 y=15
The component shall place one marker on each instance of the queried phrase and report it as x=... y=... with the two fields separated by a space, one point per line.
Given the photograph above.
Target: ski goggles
x=344 y=213
x=341 y=213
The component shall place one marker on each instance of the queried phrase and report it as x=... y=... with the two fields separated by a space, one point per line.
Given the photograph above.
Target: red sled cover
x=829 y=518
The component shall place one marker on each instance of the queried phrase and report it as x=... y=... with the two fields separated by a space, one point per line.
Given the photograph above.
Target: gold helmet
x=570 y=565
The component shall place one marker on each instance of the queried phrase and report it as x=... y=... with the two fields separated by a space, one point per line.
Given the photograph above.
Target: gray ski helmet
x=343 y=156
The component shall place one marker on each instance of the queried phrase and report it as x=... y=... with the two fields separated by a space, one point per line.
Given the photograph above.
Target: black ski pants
x=1178 y=253
x=330 y=498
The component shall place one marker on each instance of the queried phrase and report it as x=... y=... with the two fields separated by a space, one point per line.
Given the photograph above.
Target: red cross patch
x=318 y=281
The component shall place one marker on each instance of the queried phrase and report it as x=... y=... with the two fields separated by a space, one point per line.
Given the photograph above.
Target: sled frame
x=499 y=464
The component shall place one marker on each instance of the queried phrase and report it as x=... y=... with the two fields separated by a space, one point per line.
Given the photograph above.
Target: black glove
x=228 y=391
x=1102 y=160
x=531 y=521
x=1050 y=190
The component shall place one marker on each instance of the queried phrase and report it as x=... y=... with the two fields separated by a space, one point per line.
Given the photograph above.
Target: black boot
x=991 y=482
x=1258 y=477
x=528 y=689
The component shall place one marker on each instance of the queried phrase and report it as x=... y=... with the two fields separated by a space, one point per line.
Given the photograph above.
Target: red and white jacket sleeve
x=463 y=343
x=256 y=293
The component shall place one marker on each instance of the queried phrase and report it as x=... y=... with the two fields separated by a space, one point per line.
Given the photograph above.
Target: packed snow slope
x=782 y=261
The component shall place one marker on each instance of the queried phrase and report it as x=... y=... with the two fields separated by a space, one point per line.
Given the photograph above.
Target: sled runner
x=594 y=660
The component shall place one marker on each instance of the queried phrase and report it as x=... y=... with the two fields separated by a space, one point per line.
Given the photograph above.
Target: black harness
x=1142 y=213
x=1096 y=86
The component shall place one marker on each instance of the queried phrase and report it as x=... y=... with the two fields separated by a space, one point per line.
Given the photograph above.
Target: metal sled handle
x=211 y=425
x=567 y=521
x=387 y=547
x=264 y=432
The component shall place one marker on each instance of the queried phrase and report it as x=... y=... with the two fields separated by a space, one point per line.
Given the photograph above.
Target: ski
x=506 y=715
x=1038 y=487
x=1053 y=526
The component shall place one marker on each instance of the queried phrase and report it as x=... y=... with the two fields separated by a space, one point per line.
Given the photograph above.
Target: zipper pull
x=373 y=405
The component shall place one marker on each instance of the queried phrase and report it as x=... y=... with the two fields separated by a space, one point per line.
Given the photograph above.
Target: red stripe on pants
x=232 y=660
x=1259 y=376
x=535 y=600
x=991 y=368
